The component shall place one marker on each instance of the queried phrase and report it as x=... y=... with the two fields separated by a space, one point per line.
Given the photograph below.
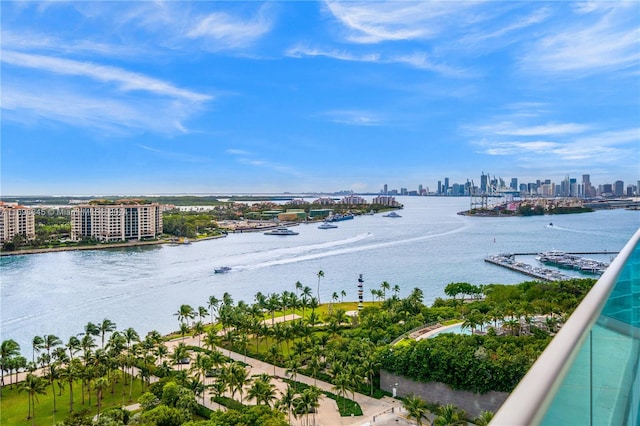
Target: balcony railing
x=590 y=372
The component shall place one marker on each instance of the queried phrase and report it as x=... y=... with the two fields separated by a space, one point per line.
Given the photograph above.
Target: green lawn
x=14 y=404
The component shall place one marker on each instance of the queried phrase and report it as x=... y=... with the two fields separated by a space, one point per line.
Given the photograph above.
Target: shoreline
x=106 y=246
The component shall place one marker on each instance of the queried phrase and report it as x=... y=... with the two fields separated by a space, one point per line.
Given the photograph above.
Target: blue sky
x=209 y=97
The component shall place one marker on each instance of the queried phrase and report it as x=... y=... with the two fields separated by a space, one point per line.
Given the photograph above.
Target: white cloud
x=126 y=80
x=229 y=31
x=30 y=41
x=35 y=102
x=248 y=158
x=300 y=50
x=174 y=156
x=373 y=22
x=609 y=43
x=353 y=117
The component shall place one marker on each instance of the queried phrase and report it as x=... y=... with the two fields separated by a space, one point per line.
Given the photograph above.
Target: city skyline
x=266 y=97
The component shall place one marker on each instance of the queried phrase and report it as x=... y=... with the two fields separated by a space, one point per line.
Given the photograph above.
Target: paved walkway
x=380 y=412
x=376 y=412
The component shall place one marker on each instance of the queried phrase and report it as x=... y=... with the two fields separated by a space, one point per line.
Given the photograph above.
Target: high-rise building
x=445 y=190
x=618 y=188
x=386 y=189
x=116 y=222
x=514 y=184
x=16 y=220
x=484 y=182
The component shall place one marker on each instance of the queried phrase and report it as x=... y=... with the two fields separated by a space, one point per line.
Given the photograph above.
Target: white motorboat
x=281 y=230
x=392 y=214
x=327 y=225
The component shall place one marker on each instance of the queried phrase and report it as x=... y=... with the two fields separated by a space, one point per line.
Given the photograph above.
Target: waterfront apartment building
x=16 y=220
x=116 y=222
x=385 y=200
x=353 y=199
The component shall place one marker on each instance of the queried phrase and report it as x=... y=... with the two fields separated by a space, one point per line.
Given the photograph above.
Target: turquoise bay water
x=428 y=247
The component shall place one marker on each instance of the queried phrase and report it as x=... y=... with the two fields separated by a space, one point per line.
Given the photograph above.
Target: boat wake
x=319 y=251
x=578 y=231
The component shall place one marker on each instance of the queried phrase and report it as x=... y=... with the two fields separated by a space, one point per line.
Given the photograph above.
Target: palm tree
x=185 y=313
x=308 y=401
x=396 y=289
x=106 y=326
x=320 y=274
x=184 y=330
x=342 y=295
x=34 y=386
x=36 y=345
x=293 y=365
x=449 y=415
x=341 y=382
x=286 y=402
x=50 y=342
x=262 y=390
x=484 y=418
x=198 y=329
x=99 y=385
x=385 y=286
x=8 y=349
x=213 y=305
x=70 y=374
x=416 y=408
x=180 y=352
x=273 y=303
x=335 y=297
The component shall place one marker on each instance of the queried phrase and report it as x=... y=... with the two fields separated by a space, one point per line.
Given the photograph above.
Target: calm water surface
x=428 y=247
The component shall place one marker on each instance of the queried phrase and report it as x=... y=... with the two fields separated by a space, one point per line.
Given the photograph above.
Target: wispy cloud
x=353 y=117
x=44 y=42
x=229 y=31
x=374 y=22
x=300 y=50
x=250 y=159
x=31 y=103
x=174 y=156
x=418 y=60
x=547 y=129
x=607 y=41
x=125 y=80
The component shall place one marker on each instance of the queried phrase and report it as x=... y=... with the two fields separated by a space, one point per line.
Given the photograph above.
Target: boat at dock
x=572 y=261
x=338 y=217
x=222 y=270
x=281 y=230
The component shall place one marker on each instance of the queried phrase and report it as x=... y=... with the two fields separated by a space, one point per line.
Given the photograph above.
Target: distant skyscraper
x=446 y=185
x=618 y=188
x=439 y=187
x=514 y=184
x=386 y=189
x=588 y=189
x=484 y=180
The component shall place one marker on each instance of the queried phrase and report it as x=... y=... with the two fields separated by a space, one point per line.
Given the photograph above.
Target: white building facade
x=116 y=222
x=16 y=220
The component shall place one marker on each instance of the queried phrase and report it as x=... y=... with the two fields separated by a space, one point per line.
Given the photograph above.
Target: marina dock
x=507 y=260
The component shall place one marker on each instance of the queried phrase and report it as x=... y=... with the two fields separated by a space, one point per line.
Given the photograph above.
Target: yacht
x=392 y=214
x=327 y=225
x=281 y=230
x=222 y=270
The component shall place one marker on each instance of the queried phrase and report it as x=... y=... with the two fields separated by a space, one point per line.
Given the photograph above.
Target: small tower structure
x=360 y=292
